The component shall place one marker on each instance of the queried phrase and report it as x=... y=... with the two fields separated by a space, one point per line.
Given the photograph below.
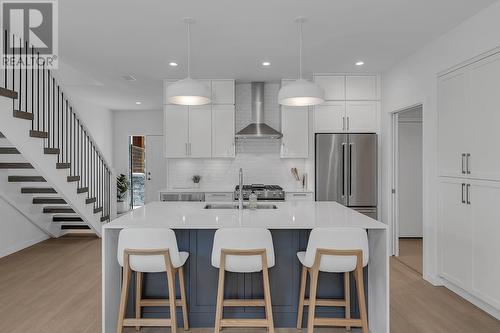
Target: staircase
x=51 y=170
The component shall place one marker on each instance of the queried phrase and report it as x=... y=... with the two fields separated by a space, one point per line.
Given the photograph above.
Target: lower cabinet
x=469 y=229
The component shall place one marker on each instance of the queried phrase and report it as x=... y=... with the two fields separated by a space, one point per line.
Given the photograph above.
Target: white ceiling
x=103 y=40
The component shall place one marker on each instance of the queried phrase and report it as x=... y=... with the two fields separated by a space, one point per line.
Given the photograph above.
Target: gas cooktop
x=263 y=192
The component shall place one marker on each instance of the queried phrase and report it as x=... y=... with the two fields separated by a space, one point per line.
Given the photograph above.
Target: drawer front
x=299 y=196
x=168 y=196
x=219 y=196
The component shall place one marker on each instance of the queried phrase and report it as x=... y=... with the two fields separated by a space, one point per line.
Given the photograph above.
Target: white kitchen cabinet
x=223 y=145
x=330 y=117
x=362 y=116
x=299 y=196
x=334 y=86
x=454 y=233
x=176 y=125
x=468 y=236
x=453 y=120
x=295 y=129
x=222 y=91
x=361 y=88
x=200 y=131
x=187 y=131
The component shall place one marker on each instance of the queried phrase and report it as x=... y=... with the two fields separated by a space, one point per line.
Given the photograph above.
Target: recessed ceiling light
x=138 y=103
x=173 y=64
x=360 y=63
x=266 y=63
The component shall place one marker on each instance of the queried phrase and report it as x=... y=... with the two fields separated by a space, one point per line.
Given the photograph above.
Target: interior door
x=156 y=173
x=362 y=170
x=331 y=150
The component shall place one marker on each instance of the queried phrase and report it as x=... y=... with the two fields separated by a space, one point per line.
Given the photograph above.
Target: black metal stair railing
x=42 y=100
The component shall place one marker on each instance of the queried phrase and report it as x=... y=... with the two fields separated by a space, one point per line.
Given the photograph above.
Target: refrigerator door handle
x=351 y=145
x=343 y=168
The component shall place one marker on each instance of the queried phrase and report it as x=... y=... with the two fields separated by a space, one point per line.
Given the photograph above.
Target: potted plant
x=196 y=180
x=122 y=186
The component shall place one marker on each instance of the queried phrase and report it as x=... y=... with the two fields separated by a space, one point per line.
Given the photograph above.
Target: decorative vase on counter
x=196 y=180
x=122 y=206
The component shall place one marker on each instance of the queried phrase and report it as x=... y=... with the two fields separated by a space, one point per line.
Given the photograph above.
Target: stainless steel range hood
x=258 y=129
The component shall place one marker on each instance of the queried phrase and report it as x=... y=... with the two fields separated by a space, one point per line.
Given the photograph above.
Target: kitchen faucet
x=240 y=197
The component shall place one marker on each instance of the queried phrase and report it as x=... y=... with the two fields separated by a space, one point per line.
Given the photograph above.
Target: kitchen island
x=289 y=223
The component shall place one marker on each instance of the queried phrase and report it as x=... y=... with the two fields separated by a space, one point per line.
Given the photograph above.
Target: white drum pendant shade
x=301 y=93
x=188 y=92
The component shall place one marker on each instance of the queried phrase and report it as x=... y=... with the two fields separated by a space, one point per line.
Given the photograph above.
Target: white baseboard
x=22 y=245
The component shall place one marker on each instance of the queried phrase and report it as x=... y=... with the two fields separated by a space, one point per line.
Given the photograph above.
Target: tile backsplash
x=260 y=159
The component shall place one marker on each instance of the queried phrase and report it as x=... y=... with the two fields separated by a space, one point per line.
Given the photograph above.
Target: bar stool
x=151 y=250
x=334 y=250
x=243 y=250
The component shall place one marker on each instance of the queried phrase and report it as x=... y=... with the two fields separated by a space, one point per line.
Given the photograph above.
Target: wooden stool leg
x=361 y=296
x=183 y=298
x=171 y=298
x=124 y=295
x=302 y=295
x=347 y=297
x=267 y=294
x=312 y=299
x=220 y=296
x=138 y=297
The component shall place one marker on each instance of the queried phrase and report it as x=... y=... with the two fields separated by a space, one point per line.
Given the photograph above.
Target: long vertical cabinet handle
x=186 y=148
x=190 y=149
x=348 y=123
x=343 y=123
x=463 y=163
x=467 y=163
x=463 y=190
x=350 y=167
x=343 y=168
x=468 y=194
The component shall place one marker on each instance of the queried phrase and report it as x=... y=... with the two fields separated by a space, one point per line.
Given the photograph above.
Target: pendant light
x=188 y=91
x=301 y=92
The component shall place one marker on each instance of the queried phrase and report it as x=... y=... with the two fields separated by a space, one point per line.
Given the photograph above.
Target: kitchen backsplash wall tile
x=260 y=159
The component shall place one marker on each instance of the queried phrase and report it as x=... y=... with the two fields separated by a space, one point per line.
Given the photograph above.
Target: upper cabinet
x=295 y=129
x=205 y=131
x=352 y=104
x=361 y=88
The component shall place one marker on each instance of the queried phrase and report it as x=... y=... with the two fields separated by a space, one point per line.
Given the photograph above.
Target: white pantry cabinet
x=188 y=131
x=223 y=130
x=223 y=92
x=468 y=118
x=362 y=116
x=295 y=129
x=330 y=117
x=468 y=236
x=334 y=86
x=361 y=88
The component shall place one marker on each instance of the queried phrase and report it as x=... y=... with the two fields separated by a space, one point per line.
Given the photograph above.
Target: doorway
x=407 y=189
x=147 y=169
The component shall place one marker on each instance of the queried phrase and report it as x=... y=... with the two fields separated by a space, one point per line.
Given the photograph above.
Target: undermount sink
x=233 y=206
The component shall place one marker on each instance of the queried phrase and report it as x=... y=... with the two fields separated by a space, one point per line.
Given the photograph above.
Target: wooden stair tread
x=82 y=190
x=37 y=190
x=54 y=151
x=104 y=218
x=63 y=165
x=75 y=227
x=39 y=134
x=8 y=93
x=16 y=165
x=73 y=178
x=58 y=209
x=90 y=200
x=48 y=200
x=97 y=210
x=23 y=115
x=34 y=179
x=9 y=150
x=64 y=218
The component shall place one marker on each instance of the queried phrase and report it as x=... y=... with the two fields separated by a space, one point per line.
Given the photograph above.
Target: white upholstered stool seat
x=334 y=250
x=151 y=250
x=243 y=250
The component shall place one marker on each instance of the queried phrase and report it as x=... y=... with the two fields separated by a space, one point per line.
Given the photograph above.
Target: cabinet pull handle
x=348 y=126
x=463 y=188
x=218 y=195
x=189 y=145
x=468 y=194
x=463 y=163
x=343 y=123
x=299 y=194
x=467 y=163
x=186 y=147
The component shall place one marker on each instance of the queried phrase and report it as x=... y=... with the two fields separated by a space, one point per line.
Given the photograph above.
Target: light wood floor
x=411 y=253
x=55 y=287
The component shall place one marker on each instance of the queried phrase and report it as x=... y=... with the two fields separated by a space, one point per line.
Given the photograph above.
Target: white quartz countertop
x=289 y=215
x=219 y=189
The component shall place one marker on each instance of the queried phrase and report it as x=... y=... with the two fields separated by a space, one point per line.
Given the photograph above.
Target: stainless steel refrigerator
x=346 y=170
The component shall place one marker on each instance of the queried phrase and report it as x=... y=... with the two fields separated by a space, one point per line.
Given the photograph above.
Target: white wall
x=16 y=232
x=412 y=82
x=259 y=158
x=410 y=173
